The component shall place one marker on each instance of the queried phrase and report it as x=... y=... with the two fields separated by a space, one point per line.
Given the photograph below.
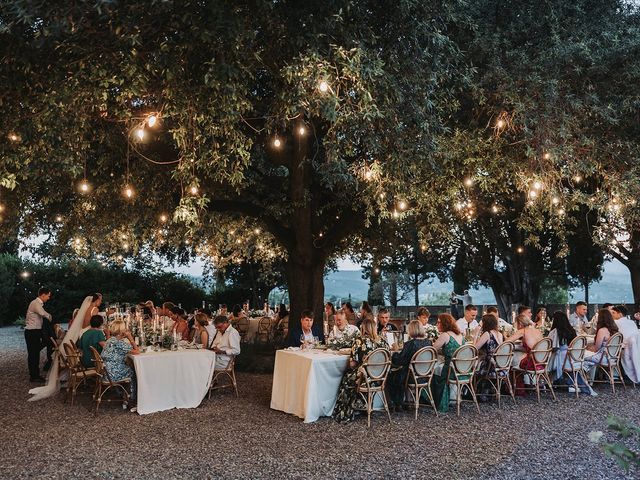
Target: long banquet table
x=167 y=379
x=306 y=383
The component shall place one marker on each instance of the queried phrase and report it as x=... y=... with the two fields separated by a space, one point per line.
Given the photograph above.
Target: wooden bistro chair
x=264 y=330
x=609 y=363
x=573 y=361
x=372 y=379
x=420 y=375
x=500 y=374
x=540 y=355
x=104 y=383
x=243 y=327
x=463 y=365
x=61 y=357
x=78 y=374
x=229 y=372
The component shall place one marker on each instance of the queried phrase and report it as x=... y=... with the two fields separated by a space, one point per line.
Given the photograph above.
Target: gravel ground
x=242 y=438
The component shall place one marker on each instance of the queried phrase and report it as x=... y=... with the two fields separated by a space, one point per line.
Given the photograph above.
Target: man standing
x=468 y=322
x=33 y=332
x=578 y=318
x=226 y=342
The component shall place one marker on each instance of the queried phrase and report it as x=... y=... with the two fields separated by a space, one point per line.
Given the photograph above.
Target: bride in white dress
x=53 y=379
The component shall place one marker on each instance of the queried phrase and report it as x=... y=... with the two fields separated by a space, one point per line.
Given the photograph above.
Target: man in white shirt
x=469 y=320
x=226 y=342
x=33 y=332
x=342 y=327
x=626 y=326
x=501 y=322
x=165 y=315
x=578 y=318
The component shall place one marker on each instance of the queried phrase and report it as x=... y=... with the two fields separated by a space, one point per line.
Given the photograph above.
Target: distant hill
x=615 y=287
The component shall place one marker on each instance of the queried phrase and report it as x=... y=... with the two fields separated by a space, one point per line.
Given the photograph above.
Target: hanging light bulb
x=163 y=218
x=577 y=178
x=128 y=191
x=302 y=131
x=140 y=134
x=13 y=137
x=395 y=214
x=152 y=120
x=25 y=274
x=555 y=200
x=84 y=186
x=277 y=142
x=323 y=86
x=402 y=205
x=533 y=194
x=537 y=185
x=500 y=124
x=58 y=218
x=520 y=250
x=546 y=156
x=468 y=182
x=494 y=209
x=193 y=189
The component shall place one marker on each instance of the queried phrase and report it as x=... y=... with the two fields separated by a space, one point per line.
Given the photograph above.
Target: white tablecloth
x=172 y=379
x=306 y=383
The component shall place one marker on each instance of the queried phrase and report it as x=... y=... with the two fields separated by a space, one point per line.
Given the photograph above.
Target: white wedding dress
x=53 y=379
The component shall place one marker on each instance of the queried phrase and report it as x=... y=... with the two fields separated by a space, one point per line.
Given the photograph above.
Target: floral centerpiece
x=431 y=332
x=256 y=313
x=344 y=341
x=506 y=330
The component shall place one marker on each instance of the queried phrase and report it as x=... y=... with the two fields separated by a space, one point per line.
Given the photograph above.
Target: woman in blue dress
x=115 y=352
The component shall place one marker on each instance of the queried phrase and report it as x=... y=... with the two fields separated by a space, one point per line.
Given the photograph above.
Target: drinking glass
x=303 y=343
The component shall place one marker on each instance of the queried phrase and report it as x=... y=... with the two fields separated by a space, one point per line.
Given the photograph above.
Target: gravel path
x=243 y=438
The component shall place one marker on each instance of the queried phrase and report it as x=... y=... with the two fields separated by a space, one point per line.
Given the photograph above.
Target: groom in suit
x=33 y=332
x=307 y=328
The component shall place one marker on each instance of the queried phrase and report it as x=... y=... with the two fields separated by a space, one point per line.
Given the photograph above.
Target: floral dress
x=347 y=396
x=439 y=383
x=486 y=364
x=114 y=353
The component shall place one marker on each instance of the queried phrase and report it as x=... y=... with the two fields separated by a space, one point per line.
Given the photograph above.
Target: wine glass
x=303 y=342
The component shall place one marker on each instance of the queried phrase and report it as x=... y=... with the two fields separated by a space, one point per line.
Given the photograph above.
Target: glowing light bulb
x=140 y=134
x=302 y=131
x=458 y=206
x=537 y=185
x=58 y=218
x=468 y=182
x=395 y=214
x=152 y=120
x=1 y=207
x=555 y=200
x=546 y=156
x=519 y=249
x=163 y=218
x=368 y=174
x=320 y=235
x=577 y=178
x=277 y=142
x=77 y=241
x=120 y=258
x=494 y=209
x=323 y=86
x=377 y=270
x=533 y=194
x=84 y=186
x=125 y=246
x=193 y=189
x=423 y=248
x=25 y=274
x=561 y=211
x=500 y=124
x=13 y=137
x=257 y=231
x=402 y=205
x=128 y=191
x=382 y=195
x=187 y=242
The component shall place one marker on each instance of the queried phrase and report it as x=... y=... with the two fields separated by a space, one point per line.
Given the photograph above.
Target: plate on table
x=344 y=351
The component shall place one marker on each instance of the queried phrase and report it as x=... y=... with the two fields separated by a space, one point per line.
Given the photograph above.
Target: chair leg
x=416 y=398
x=386 y=406
x=536 y=379
x=550 y=385
x=498 y=387
x=473 y=395
x=369 y=402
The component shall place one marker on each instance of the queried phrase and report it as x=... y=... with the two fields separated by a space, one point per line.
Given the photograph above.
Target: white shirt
x=577 y=321
x=35 y=314
x=348 y=330
x=463 y=325
x=211 y=330
x=627 y=328
x=168 y=323
x=228 y=342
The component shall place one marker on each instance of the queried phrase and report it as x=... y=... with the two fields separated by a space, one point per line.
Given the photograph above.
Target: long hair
x=368 y=329
x=565 y=331
x=448 y=323
x=489 y=322
x=605 y=320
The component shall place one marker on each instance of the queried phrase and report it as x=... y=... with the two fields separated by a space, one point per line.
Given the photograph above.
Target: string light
x=125 y=246
x=152 y=120
x=500 y=124
x=537 y=185
x=277 y=143
x=377 y=270
x=13 y=137
x=395 y=214
x=58 y=218
x=257 y=231
x=368 y=174
x=1 y=207
x=25 y=274
x=163 y=218
x=402 y=205
x=533 y=194
x=520 y=250
x=323 y=86
x=129 y=192
x=494 y=209
x=302 y=131
x=555 y=200
x=140 y=134
x=468 y=182
x=77 y=241
x=120 y=258
x=546 y=156
x=561 y=211
x=577 y=178
x=423 y=248
x=193 y=189
x=320 y=235
x=84 y=186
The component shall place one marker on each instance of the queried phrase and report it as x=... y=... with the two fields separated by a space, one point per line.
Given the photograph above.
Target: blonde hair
x=368 y=329
x=117 y=327
x=522 y=321
x=202 y=319
x=415 y=329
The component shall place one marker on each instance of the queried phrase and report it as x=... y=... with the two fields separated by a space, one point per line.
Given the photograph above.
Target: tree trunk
x=416 y=288
x=393 y=289
x=375 y=295
x=586 y=292
x=634 y=270
x=305 y=279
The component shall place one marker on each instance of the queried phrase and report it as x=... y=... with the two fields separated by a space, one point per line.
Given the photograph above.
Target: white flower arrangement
x=506 y=330
x=431 y=332
x=343 y=341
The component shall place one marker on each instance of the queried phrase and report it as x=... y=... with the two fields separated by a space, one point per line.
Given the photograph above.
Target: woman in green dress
x=348 y=400
x=448 y=342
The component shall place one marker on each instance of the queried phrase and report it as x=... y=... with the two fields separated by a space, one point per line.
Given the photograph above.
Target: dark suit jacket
x=294 y=335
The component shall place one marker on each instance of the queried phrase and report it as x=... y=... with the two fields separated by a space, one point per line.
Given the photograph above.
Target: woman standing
x=348 y=400
x=93 y=309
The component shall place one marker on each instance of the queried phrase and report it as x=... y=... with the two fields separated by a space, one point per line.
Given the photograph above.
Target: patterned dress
x=114 y=353
x=347 y=396
x=439 y=382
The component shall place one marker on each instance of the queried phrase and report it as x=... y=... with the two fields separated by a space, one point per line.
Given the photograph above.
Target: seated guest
x=181 y=326
x=225 y=343
x=625 y=325
x=223 y=310
x=501 y=322
x=468 y=323
x=236 y=314
x=541 y=316
x=578 y=318
x=348 y=399
x=166 y=316
x=384 y=323
x=282 y=322
x=201 y=336
x=365 y=312
x=423 y=316
x=115 y=351
x=525 y=310
x=341 y=327
x=307 y=330
x=489 y=339
x=448 y=342
x=351 y=315
x=329 y=314
x=605 y=328
x=397 y=378
x=561 y=335
x=530 y=335
x=94 y=337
